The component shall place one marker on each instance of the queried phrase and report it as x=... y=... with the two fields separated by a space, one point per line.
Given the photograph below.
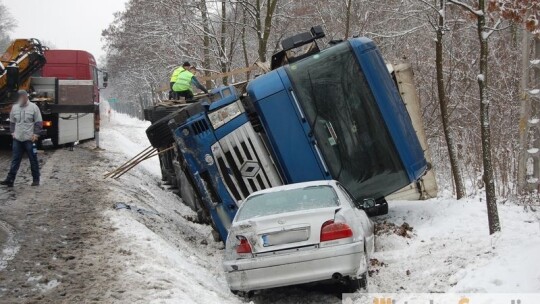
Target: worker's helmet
x=186 y=64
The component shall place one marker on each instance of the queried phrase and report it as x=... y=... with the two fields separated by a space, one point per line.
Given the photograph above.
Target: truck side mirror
x=105 y=79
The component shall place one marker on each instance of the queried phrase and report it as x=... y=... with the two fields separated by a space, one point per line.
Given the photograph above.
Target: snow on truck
x=63 y=83
x=332 y=114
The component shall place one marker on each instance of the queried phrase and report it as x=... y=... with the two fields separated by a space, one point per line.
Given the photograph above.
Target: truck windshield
x=346 y=122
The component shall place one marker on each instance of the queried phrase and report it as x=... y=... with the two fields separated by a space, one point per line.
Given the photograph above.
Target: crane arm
x=21 y=60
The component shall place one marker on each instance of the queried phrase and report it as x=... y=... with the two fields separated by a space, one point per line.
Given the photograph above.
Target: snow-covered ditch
x=168 y=258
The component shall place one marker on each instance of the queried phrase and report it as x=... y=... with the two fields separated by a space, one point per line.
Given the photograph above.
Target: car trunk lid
x=285 y=231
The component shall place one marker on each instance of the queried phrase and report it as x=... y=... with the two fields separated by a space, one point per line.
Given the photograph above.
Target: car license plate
x=285 y=237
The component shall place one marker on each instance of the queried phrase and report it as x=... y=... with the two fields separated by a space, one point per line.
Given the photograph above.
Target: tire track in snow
x=11 y=245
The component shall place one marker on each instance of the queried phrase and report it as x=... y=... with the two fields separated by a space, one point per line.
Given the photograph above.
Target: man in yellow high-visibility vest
x=184 y=80
x=174 y=77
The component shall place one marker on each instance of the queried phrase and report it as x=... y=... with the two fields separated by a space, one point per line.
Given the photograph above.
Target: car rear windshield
x=284 y=201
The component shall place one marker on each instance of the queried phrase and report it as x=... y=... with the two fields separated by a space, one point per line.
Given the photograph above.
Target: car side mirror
x=366 y=204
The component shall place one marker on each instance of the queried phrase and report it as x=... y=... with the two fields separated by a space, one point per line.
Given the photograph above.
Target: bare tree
x=484 y=31
x=261 y=13
x=7 y=24
x=151 y=37
x=443 y=101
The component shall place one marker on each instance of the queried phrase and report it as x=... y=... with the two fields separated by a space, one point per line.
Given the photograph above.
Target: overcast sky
x=67 y=24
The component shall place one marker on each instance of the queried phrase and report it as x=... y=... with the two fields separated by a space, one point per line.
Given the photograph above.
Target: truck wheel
x=171 y=179
x=200 y=216
x=215 y=235
x=148 y=114
x=159 y=134
x=159 y=112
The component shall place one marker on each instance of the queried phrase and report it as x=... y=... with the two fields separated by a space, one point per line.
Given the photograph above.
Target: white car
x=298 y=234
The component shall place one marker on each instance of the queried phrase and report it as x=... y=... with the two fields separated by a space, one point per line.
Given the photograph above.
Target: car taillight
x=333 y=231
x=244 y=246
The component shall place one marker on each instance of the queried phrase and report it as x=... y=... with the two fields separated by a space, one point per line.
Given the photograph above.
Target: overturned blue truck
x=336 y=113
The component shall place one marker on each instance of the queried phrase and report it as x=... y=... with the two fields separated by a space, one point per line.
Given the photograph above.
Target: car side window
x=347 y=194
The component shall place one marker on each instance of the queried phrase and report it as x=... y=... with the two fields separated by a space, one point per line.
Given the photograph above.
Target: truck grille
x=244 y=163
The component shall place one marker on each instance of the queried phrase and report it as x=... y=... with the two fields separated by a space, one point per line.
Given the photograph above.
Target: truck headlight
x=222 y=116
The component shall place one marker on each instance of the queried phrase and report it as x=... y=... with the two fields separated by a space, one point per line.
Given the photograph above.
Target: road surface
x=52 y=236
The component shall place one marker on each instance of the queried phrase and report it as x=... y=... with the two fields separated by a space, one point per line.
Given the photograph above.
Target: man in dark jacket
x=25 y=126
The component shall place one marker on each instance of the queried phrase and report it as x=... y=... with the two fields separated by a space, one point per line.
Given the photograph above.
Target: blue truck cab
x=335 y=114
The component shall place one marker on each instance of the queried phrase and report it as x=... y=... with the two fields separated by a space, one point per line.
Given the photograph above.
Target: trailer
x=332 y=114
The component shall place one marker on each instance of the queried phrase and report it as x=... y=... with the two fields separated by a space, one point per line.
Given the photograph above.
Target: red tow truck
x=64 y=84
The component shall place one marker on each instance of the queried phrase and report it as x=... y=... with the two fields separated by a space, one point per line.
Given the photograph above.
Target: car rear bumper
x=296 y=268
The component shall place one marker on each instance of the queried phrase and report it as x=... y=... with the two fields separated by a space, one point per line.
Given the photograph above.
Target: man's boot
x=6 y=183
x=35 y=183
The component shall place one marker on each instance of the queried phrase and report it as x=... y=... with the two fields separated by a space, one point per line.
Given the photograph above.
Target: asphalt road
x=5 y=160
x=24 y=176
x=54 y=236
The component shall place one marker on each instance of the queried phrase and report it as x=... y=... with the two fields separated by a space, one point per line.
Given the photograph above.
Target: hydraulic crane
x=22 y=59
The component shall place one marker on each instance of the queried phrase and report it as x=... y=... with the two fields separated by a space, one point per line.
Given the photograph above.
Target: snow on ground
x=449 y=249
x=170 y=258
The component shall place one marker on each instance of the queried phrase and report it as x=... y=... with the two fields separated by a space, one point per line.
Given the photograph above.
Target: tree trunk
x=524 y=116
x=348 y=19
x=491 y=199
x=206 y=42
x=535 y=134
x=244 y=43
x=222 y=55
x=443 y=103
x=264 y=29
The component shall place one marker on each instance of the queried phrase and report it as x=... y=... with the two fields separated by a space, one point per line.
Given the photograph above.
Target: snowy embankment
x=449 y=249
x=169 y=258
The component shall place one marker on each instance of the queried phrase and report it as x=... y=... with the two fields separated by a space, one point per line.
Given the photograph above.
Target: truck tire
x=158 y=112
x=148 y=114
x=159 y=133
